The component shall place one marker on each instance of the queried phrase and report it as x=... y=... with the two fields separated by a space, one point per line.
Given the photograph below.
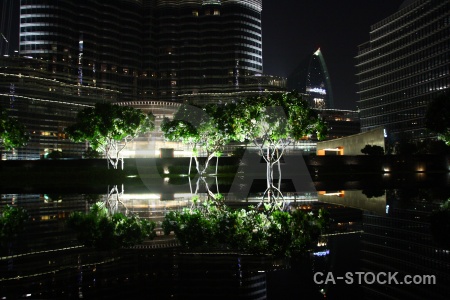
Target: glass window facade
x=403 y=67
x=202 y=46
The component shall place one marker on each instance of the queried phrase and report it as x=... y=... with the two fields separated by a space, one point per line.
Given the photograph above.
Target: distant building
x=44 y=105
x=312 y=79
x=340 y=122
x=403 y=66
x=352 y=144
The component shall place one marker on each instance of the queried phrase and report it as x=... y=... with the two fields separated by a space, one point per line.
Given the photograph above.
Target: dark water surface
x=383 y=229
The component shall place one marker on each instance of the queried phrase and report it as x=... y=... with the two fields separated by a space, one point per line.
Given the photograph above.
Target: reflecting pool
x=380 y=233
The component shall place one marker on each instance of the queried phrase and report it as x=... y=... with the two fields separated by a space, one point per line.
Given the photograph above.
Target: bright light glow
x=322 y=253
x=316 y=90
x=334 y=194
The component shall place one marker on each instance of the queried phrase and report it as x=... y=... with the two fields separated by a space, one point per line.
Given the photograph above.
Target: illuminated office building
x=312 y=79
x=403 y=66
x=148 y=49
x=129 y=51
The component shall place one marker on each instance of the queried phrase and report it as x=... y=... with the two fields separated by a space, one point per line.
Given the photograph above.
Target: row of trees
x=212 y=225
x=102 y=229
x=271 y=122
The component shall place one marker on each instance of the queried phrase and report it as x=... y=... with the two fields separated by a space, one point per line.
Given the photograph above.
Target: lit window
x=217 y=12
x=195 y=13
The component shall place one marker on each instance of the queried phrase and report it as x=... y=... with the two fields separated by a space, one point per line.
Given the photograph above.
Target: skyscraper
x=148 y=49
x=403 y=66
x=143 y=53
x=311 y=78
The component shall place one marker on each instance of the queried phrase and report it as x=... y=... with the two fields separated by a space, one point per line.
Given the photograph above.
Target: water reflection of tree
x=211 y=225
x=440 y=225
x=12 y=222
x=101 y=229
x=373 y=192
x=114 y=199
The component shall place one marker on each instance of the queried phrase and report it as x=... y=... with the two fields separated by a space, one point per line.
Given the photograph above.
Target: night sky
x=293 y=29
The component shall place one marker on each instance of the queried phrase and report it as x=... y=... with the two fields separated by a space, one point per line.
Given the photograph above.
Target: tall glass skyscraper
x=312 y=79
x=147 y=49
x=403 y=67
x=151 y=54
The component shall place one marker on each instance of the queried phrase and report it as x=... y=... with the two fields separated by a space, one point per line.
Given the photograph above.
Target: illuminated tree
x=272 y=123
x=199 y=128
x=12 y=222
x=212 y=225
x=103 y=230
x=12 y=132
x=108 y=128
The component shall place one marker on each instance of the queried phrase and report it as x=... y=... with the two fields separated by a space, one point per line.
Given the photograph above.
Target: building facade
x=44 y=105
x=129 y=51
x=148 y=49
x=340 y=122
x=403 y=66
x=312 y=79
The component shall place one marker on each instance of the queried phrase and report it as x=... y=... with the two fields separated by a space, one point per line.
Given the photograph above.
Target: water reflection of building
x=400 y=241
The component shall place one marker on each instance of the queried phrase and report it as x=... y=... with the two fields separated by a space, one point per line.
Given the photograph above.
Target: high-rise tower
x=148 y=49
x=311 y=78
x=403 y=67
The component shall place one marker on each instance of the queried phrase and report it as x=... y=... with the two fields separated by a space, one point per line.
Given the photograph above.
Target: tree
x=211 y=225
x=372 y=150
x=199 y=128
x=437 y=117
x=272 y=122
x=12 y=133
x=12 y=221
x=202 y=129
x=106 y=231
x=108 y=128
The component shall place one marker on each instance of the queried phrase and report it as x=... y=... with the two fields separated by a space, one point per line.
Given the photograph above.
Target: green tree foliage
x=200 y=128
x=372 y=150
x=103 y=231
x=12 y=221
x=12 y=132
x=91 y=153
x=440 y=224
x=272 y=122
x=210 y=226
x=437 y=117
x=108 y=128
